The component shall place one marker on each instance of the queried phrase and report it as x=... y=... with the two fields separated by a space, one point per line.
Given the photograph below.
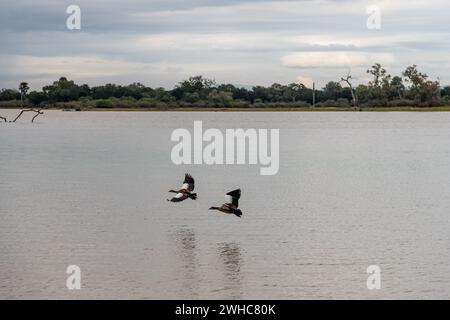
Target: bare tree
x=354 y=96
x=38 y=112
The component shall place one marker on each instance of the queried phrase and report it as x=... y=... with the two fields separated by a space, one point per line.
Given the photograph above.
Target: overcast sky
x=246 y=42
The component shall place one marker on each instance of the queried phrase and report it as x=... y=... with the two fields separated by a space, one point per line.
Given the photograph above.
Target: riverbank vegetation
x=409 y=91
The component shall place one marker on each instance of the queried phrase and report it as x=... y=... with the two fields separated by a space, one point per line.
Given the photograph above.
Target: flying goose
x=231 y=206
x=185 y=191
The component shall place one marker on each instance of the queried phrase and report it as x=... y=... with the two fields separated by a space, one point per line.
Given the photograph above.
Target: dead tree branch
x=354 y=96
x=38 y=112
x=36 y=115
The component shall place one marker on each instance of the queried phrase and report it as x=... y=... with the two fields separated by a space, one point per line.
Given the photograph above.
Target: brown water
x=353 y=190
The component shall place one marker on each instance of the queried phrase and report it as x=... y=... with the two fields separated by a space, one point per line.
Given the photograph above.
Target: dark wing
x=235 y=196
x=179 y=197
x=188 y=183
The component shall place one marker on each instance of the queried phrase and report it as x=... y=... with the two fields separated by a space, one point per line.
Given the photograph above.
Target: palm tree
x=23 y=88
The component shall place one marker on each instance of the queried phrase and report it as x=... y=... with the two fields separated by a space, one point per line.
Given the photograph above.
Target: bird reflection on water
x=185 y=240
x=231 y=258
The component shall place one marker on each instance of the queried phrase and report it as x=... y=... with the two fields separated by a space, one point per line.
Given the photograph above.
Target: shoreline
x=269 y=109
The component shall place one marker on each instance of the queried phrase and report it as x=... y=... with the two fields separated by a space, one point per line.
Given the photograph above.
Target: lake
x=353 y=190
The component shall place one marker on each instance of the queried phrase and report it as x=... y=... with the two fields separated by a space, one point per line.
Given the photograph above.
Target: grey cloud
x=212 y=36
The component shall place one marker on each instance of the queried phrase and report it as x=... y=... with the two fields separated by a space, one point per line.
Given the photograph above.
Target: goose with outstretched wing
x=231 y=205
x=185 y=191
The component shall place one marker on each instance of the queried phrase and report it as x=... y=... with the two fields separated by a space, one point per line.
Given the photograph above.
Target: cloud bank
x=248 y=42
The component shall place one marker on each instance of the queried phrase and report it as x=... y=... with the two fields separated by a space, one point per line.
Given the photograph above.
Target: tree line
x=411 y=88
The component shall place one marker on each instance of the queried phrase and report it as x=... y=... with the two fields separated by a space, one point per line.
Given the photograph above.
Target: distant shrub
x=402 y=103
x=146 y=103
x=258 y=104
x=240 y=104
x=299 y=104
x=340 y=103
x=345 y=102
x=68 y=105
x=202 y=104
x=376 y=103
x=13 y=104
x=127 y=99
x=85 y=99
x=104 y=103
x=161 y=105
x=185 y=104
x=274 y=105
x=327 y=104
x=434 y=103
x=416 y=103
x=48 y=104
x=446 y=101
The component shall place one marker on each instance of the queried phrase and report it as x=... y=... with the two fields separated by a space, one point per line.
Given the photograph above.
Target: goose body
x=232 y=204
x=185 y=191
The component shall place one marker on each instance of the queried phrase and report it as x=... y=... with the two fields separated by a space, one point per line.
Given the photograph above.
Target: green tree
x=378 y=73
x=9 y=94
x=430 y=91
x=332 y=91
x=295 y=92
x=194 y=89
x=220 y=98
x=445 y=92
x=421 y=88
x=381 y=82
x=416 y=80
x=413 y=76
x=364 y=93
x=261 y=93
x=23 y=88
x=160 y=94
x=62 y=90
x=135 y=90
x=37 y=98
x=84 y=90
x=398 y=87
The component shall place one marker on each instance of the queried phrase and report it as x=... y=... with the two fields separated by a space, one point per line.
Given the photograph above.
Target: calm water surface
x=353 y=190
